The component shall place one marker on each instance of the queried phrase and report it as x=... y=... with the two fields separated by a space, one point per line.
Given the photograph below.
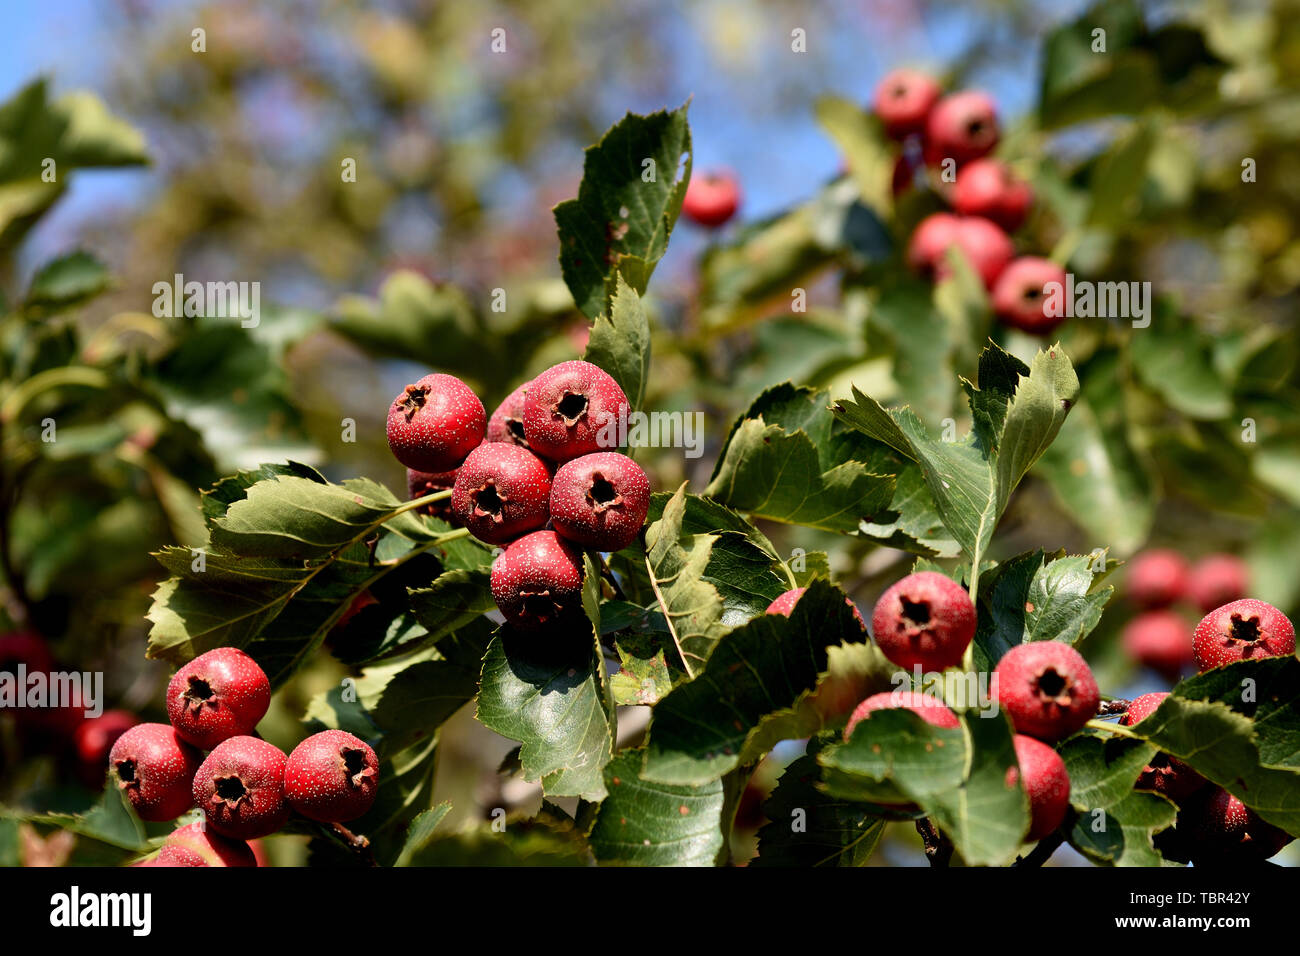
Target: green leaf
x=421 y=832
x=642 y=823
x=109 y=821
x=1116 y=824
x=620 y=343
x=959 y=778
x=620 y=222
x=67 y=281
x=861 y=140
x=786 y=460
x=811 y=828
x=1172 y=357
x=553 y=701
x=536 y=842
x=753 y=692
x=1017 y=412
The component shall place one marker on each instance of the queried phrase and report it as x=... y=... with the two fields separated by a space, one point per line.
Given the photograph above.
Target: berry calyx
x=434 y=423
x=155 y=769
x=218 y=695
x=1216 y=580
x=930 y=709
x=1164 y=774
x=1021 y=295
x=1043 y=774
x=507 y=422
x=501 y=492
x=1242 y=629
x=600 y=501
x=1158 y=578
x=961 y=126
x=240 y=788
x=925 y=620
x=573 y=409
x=1222 y=829
x=537 y=581
x=197 y=845
x=711 y=198
x=784 y=605
x=988 y=188
x=332 y=777
x=903 y=100
x=1047 y=689
x=1160 y=640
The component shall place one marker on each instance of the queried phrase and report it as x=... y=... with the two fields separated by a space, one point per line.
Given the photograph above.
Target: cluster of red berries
x=536 y=477
x=246 y=787
x=988 y=199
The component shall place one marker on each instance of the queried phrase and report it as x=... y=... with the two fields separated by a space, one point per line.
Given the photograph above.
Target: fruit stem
x=452 y=536
x=1112 y=728
x=421 y=502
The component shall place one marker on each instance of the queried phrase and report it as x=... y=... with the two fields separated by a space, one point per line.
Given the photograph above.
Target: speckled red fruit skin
x=1157 y=578
x=711 y=198
x=1217 y=580
x=930 y=709
x=925 y=620
x=537 y=581
x=332 y=776
x=1021 y=296
x=507 y=422
x=988 y=188
x=502 y=491
x=784 y=605
x=1242 y=629
x=1163 y=774
x=155 y=769
x=94 y=739
x=1046 y=782
x=421 y=483
x=570 y=409
x=903 y=100
x=961 y=126
x=1221 y=829
x=1047 y=689
x=195 y=845
x=240 y=788
x=1160 y=640
x=218 y=695
x=600 y=501
x=434 y=423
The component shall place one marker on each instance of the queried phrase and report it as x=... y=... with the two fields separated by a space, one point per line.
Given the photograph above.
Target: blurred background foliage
x=229 y=168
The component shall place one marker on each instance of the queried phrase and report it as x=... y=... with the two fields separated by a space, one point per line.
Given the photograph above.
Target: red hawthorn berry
x=218 y=695
x=1046 y=782
x=1160 y=640
x=240 y=788
x=930 y=709
x=196 y=845
x=925 y=620
x=94 y=739
x=421 y=483
x=502 y=491
x=507 y=422
x=1164 y=774
x=1240 y=630
x=983 y=243
x=435 y=423
x=903 y=100
x=1222 y=829
x=332 y=776
x=784 y=605
x=1021 y=297
x=537 y=581
x=988 y=188
x=711 y=198
x=1047 y=689
x=1158 y=578
x=961 y=126
x=573 y=409
x=155 y=769
x=600 y=501
x=1216 y=580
